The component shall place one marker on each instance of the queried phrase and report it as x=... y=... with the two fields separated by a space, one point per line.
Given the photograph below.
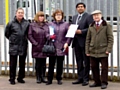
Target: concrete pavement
x=32 y=85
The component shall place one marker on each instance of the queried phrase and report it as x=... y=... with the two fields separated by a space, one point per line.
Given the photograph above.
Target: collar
x=99 y=22
x=104 y=23
x=80 y=14
x=58 y=22
x=15 y=19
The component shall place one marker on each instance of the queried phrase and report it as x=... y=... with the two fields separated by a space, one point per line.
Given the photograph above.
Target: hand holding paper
x=51 y=30
x=52 y=34
x=72 y=30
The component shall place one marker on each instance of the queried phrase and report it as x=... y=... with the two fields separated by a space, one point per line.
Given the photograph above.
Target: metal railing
x=110 y=9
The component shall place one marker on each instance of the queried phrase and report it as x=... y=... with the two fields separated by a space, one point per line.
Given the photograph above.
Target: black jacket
x=83 y=25
x=16 y=33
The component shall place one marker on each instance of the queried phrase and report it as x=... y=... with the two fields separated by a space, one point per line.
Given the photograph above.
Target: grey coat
x=83 y=25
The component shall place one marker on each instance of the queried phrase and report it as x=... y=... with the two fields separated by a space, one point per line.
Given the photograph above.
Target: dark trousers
x=59 y=70
x=96 y=71
x=83 y=63
x=13 y=64
x=40 y=67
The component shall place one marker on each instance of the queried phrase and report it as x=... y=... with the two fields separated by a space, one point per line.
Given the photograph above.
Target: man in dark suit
x=82 y=19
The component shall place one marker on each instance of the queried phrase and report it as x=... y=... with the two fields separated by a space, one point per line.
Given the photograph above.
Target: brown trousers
x=96 y=71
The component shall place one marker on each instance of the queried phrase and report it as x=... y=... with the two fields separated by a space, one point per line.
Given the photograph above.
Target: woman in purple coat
x=38 y=34
x=61 y=43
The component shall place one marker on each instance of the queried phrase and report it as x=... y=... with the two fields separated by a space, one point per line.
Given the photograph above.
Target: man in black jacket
x=82 y=19
x=16 y=33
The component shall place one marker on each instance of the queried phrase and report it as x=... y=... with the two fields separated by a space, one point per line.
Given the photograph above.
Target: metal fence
x=110 y=9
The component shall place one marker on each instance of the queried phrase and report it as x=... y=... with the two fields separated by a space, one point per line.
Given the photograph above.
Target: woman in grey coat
x=38 y=34
x=61 y=43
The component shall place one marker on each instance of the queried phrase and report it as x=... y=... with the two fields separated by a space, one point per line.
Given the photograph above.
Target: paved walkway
x=32 y=85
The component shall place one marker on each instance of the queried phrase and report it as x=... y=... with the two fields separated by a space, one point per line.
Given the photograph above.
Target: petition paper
x=71 y=31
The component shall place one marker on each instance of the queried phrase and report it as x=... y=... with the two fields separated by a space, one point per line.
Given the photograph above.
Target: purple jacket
x=60 y=30
x=38 y=35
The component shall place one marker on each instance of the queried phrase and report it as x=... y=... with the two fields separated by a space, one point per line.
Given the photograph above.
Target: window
x=23 y=4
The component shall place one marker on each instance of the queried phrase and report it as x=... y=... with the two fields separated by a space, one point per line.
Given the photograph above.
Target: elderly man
x=99 y=43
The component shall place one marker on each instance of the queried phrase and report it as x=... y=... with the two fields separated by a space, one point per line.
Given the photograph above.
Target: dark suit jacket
x=84 y=23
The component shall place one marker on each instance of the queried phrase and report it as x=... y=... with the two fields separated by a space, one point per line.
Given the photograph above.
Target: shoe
x=38 y=80
x=85 y=83
x=77 y=82
x=59 y=82
x=20 y=80
x=103 y=86
x=12 y=82
x=95 y=85
x=43 y=80
x=49 y=82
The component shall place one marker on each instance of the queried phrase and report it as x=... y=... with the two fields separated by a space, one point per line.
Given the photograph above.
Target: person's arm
x=47 y=33
x=87 y=44
x=8 y=30
x=84 y=31
x=109 y=39
x=27 y=29
x=30 y=36
x=68 y=42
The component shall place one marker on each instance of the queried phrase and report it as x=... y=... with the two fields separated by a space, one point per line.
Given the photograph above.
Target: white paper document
x=71 y=31
x=51 y=30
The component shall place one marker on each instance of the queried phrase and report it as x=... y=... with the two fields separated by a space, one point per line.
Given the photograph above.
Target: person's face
x=41 y=18
x=97 y=17
x=58 y=16
x=20 y=14
x=80 y=8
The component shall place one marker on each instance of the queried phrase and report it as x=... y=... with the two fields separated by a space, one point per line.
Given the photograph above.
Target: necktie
x=97 y=24
x=79 y=17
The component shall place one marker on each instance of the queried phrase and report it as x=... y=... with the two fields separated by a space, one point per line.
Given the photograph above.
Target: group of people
x=92 y=44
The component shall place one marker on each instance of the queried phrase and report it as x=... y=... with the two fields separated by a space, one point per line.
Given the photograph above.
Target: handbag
x=49 y=47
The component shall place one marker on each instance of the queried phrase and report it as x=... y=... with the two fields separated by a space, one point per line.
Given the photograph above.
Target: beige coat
x=99 y=41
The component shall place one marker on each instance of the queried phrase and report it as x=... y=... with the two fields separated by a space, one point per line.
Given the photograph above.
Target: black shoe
x=43 y=80
x=20 y=80
x=103 y=86
x=85 y=83
x=95 y=85
x=38 y=80
x=59 y=82
x=49 y=82
x=12 y=82
x=77 y=82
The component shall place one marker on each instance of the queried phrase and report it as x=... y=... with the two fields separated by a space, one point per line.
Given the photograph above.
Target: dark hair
x=58 y=11
x=80 y=3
